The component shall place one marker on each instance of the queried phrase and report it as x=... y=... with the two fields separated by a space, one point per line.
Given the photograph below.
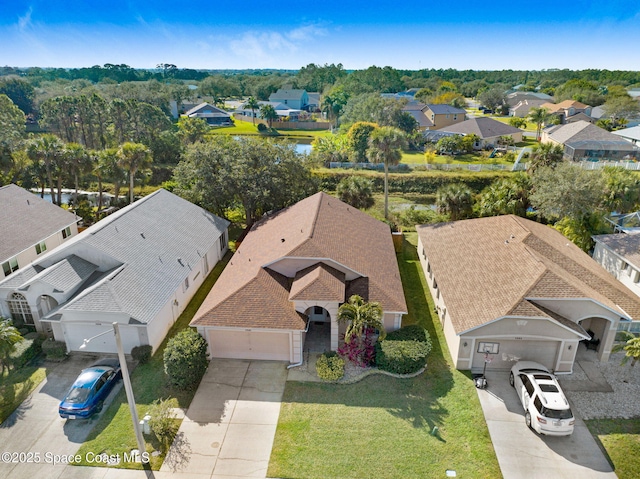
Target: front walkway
x=229 y=428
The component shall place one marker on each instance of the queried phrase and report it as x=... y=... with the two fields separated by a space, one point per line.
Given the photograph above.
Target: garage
x=236 y=344
x=504 y=353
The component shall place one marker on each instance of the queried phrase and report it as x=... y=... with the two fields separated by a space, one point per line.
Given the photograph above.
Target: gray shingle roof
x=483 y=127
x=584 y=135
x=66 y=274
x=444 y=109
x=26 y=219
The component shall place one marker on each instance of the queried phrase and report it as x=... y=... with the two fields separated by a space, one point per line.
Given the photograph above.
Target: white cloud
x=25 y=21
x=307 y=32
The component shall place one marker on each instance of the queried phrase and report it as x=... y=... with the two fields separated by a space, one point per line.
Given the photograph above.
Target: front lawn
x=113 y=433
x=248 y=128
x=620 y=438
x=417 y=158
x=384 y=427
x=15 y=387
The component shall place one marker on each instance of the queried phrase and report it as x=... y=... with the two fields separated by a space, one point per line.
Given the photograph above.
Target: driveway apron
x=229 y=428
x=523 y=454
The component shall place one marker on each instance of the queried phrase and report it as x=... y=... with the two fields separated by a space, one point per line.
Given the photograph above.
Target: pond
x=303 y=149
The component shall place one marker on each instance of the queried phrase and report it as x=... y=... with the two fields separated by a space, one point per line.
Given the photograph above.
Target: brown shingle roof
x=318 y=282
x=487 y=267
x=320 y=228
x=483 y=127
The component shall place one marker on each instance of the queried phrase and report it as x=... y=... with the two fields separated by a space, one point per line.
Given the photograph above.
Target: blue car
x=89 y=391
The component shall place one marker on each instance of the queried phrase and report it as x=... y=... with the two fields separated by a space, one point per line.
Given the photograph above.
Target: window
x=318 y=310
x=206 y=264
x=10 y=266
x=185 y=286
x=527 y=384
x=223 y=240
x=41 y=247
x=19 y=309
x=455 y=117
x=66 y=232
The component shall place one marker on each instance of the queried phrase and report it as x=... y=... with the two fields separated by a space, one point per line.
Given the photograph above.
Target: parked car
x=546 y=409
x=89 y=391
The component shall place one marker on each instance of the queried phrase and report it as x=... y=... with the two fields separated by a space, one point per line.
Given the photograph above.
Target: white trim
x=316 y=259
x=617 y=313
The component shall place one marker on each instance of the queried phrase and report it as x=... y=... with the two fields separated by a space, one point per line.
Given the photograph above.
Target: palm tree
x=631 y=347
x=359 y=316
x=456 y=200
x=79 y=163
x=9 y=337
x=133 y=158
x=545 y=154
x=48 y=149
x=253 y=104
x=385 y=146
x=268 y=112
x=539 y=116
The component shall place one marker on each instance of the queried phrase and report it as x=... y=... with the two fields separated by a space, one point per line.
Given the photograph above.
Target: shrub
x=185 y=359
x=360 y=351
x=330 y=366
x=413 y=332
x=26 y=350
x=142 y=354
x=262 y=127
x=163 y=422
x=54 y=350
x=402 y=357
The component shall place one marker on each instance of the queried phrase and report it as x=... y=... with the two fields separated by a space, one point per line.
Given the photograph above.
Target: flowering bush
x=360 y=350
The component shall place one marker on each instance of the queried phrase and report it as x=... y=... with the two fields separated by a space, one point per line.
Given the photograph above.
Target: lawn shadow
x=24 y=399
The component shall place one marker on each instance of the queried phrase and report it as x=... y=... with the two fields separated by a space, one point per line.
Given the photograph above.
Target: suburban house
x=523 y=107
x=294 y=268
x=138 y=267
x=566 y=109
x=443 y=116
x=416 y=110
x=619 y=254
x=583 y=141
x=281 y=109
x=292 y=98
x=487 y=129
x=314 y=101
x=506 y=289
x=515 y=97
x=213 y=115
x=632 y=134
x=29 y=226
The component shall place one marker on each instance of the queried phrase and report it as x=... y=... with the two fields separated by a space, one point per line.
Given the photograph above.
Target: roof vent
x=282 y=240
x=28 y=202
x=180 y=261
x=513 y=237
x=506 y=241
x=142 y=234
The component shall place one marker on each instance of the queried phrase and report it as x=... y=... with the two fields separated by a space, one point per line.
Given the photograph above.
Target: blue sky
x=269 y=34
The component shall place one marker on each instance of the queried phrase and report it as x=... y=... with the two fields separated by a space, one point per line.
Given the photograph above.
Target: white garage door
x=249 y=345
x=543 y=352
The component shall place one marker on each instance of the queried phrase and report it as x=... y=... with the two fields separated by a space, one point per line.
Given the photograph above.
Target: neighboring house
x=514 y=98
x=632 y=134
x=506 y=289
x=295 y=266
x=487 y=129
x=314 y=102
x=523 y=107
x=583 y=141
x=580 y=117
x=619 y=254
x=281 y=109
x=213 y=115
x=292 y=98
x=138 y=267
x=416 y=110
x=566 y=109
x=29 y=226
x=444 y=115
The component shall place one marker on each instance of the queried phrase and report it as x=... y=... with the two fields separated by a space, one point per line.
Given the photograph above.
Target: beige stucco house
x=295 y=267
x=30 y=226
x=507 y=288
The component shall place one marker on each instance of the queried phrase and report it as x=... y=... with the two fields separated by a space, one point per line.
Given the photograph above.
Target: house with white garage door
x=506 y=288
x=139 y=267
x=295 y=267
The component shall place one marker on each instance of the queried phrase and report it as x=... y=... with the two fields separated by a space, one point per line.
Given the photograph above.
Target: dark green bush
x=142 y=354
x=330 y=366
x=26 y=350
x=262 y=127
x=54 y=350
x=402 y=357
x=185 y=359
x=413 y=332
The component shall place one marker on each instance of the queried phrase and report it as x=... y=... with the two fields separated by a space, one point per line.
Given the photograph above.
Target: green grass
x=15 y=387
x=113 y=432
x=381 y=427
x=247 y=128
x=417 y=158
x=620 y=439
x=505 y=119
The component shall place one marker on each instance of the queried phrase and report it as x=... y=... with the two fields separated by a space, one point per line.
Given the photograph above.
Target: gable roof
x=206 y=110
x=439 y=109
x=484 y=127
x=564 y=105
x=328 y=238
x=26 y=219
x=632 y=133
x=584 y=135
x=148 y=248
x=487 y=268
x=287 y=94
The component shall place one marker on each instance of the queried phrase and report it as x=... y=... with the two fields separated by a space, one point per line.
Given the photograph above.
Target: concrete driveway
x=524 y=454
x=229 y=428
x=36 y=427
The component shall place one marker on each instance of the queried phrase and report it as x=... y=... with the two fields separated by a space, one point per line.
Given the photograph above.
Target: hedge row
x=426 y=183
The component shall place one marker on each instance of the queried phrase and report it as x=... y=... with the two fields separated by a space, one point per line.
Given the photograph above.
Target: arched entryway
x=318 y=337
x=599 y=330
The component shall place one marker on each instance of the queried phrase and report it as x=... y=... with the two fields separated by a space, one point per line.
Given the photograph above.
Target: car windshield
x=557 y=413
x=545 y=377
x=78 y=395
x=548 y=388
